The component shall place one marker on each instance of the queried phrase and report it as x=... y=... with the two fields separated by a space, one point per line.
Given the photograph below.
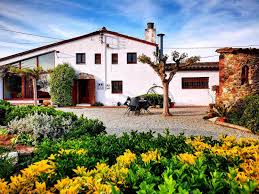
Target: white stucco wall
x=195 y=97
x=137 y=78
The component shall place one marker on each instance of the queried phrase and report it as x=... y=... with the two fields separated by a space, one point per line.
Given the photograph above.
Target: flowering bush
x=47 y=122
x=227 y=165
x=40 y=126
x=22 y=111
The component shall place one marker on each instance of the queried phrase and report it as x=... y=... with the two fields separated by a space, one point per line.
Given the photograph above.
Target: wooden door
x=91 y=90
x=83 y=91
x=86 y=91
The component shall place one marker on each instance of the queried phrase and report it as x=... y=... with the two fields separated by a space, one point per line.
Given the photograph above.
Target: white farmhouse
x=108 y=70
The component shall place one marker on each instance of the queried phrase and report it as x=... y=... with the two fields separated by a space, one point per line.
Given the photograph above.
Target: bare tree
x=166 y=71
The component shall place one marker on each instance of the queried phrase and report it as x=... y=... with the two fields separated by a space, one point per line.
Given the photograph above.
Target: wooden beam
x=23 y=86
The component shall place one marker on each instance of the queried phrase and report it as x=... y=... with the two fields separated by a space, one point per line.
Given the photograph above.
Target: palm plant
x=32 y=73
x=222 y=110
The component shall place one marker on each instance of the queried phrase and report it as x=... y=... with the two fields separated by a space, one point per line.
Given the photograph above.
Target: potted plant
x=222 y=111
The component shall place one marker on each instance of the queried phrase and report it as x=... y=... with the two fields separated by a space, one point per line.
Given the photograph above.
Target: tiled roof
x=202 y=66
x=103 y=30
x=237 y=50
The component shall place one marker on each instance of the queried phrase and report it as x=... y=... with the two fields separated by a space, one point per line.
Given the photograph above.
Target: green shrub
x=84 y=126
x=5 y=108
x=155 y=99
x=98 y=104
x=5 y=103
x=3 y=150
x=6 y=167
x=108 y=147
x=22 y=111
x=171 y=173
x=61 y=81
x=39 y=126
x=246 y=113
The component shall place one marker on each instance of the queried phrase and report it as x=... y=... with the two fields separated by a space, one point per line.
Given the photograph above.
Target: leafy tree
x=61 y=82
x=32 y=73
x=166 y=71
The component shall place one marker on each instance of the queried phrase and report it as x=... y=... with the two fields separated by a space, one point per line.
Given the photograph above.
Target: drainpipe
x=161 y=45
x=105 y=62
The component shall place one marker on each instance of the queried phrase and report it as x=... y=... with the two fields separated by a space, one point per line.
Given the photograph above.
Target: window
x=98 y=58
x=29 y=63
x=117 y=87
x=12 y=87
x=47 y=61
x=131 y=58
x=114 y=58
x=195 y=83
x=80 y=58
x=244 y=75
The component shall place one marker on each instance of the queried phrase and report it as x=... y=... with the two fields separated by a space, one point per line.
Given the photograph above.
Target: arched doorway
x=84 y=89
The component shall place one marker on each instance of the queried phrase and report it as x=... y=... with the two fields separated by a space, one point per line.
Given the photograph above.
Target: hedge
x=155 y=99
x=246 y=113
x=61 y=83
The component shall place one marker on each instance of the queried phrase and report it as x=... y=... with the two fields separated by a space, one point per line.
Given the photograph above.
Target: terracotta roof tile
x=202 y=66
x=237 y=50
x=103 y=30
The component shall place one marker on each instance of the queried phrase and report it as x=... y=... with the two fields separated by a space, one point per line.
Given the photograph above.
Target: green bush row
x=155 y=99
x=79 y=125
x=210 y=174
x=12 y=112
x=246 y=113
x=108 y=147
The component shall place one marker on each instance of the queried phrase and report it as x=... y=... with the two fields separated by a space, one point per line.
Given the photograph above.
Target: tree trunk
x=166 y=102
x=34 y=85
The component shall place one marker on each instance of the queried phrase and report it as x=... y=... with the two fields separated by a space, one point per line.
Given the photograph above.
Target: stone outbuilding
x=238 y=74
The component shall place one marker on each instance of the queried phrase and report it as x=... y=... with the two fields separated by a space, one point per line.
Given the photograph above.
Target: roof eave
x=74 y=39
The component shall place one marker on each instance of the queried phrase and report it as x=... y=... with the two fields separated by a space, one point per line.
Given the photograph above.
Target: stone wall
x=231 y=62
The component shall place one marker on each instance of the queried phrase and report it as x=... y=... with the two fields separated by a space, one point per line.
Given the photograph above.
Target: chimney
x=150 y=33
x=161 y=44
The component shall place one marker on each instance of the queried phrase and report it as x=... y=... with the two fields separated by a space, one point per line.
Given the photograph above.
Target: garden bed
x=83 y=159
x=140 y=163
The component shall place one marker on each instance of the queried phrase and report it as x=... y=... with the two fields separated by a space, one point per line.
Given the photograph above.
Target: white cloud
x=141 y=11
x=214 y=23
x=196 y=23
x=37 y=21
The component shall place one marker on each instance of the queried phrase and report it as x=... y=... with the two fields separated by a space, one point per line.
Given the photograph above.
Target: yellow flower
x=24 y=182
x=150 y=156
x=52 y=157
x=187 y=158
x=41 y=188
x=198 y=154
x=81 y=151
x=69 y=186
x=4 y=188
x=72 y=151
x=126 y=159
x=241 y=177
x=197 y=144
x=80 y=171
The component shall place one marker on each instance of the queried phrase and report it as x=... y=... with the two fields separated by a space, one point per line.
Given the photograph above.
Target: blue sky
x=186 y=23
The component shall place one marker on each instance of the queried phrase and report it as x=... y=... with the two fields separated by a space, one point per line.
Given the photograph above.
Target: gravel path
x=187 y=120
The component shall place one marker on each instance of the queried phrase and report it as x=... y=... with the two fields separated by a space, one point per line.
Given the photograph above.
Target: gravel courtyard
x=187 y=120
